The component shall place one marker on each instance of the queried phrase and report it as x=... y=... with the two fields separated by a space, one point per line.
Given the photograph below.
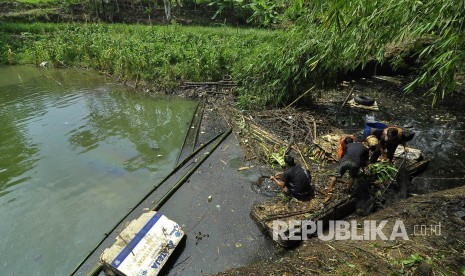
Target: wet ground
x=440 y=134
x=439 y=130
x=219 y=233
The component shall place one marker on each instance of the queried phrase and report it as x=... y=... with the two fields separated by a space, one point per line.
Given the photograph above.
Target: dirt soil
x=294 y=129
x=433 y=253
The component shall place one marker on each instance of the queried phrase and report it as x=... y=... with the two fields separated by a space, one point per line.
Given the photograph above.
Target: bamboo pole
x=168 y=194
x=314 y=131
x=187 y=132
x=197 y=131
x=296 y=147
x=95 y=270
x=348 y=95
x=268 y=136
x=300 y=97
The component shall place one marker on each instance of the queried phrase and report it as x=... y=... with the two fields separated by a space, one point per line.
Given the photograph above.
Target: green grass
x=36 y=1
x=164 y=55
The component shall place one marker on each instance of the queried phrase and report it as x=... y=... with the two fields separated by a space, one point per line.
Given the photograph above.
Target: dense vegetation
x=319 y=42
x=333 y=37
x=164 y=55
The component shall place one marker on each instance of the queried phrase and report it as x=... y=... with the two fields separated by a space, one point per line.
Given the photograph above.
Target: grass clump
x=166 y=55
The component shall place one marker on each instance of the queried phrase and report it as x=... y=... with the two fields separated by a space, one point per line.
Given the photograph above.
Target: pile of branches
x=270 y=134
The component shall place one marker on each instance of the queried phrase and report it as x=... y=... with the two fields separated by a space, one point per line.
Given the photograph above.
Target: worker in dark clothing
x=355 y=157
x=295 y=180
x=390 y=139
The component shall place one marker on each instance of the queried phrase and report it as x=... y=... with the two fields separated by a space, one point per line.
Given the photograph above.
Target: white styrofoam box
x=144 y=246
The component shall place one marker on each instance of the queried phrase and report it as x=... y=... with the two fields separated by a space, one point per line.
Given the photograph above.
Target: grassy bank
x=272 y=67
x=163 y=55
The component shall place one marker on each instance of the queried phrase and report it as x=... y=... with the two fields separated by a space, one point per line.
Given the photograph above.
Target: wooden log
x=221 y=83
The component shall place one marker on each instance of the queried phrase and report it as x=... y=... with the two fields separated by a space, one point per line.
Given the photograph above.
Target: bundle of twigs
x=279 y=131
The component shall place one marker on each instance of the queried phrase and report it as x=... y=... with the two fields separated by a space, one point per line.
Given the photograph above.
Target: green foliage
x=383 y=172
x=264 y=12
x=165 y=55
x=272 y=68
x=332 y=38
x=284 y=198
x=278 y=157
x=413 y=259
x=16 y=38
x=226 y=5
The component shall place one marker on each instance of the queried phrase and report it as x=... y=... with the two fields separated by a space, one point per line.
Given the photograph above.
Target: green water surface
x=76 y=152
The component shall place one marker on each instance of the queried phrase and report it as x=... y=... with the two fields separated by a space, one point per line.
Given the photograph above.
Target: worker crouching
x=295 y=180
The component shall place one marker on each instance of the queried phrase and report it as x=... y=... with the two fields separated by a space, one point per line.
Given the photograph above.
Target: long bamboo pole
x=197 y=131
x=300 y=97
x=187 y=132
x=189 y=173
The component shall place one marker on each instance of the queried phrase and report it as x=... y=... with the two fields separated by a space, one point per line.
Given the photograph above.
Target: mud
x=292 y=129
x=434 y=252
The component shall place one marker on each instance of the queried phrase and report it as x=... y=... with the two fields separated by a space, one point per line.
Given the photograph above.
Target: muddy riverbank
x=435 y=251
x=439 y=134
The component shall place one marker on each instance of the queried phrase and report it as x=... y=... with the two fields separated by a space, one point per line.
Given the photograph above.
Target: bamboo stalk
x=265 y=134
x=137 y=81
x=168 y=194
x=187 y=132
x=284 y=215
x=95 y=270
x=314 y=130
x=350 y=93
x=301 y=156
x=298 y=98
x=198 y=126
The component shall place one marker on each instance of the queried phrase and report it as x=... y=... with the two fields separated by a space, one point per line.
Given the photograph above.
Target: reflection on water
x=76 y=154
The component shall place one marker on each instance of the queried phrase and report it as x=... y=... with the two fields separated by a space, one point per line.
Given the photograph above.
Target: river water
x=76 y=153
